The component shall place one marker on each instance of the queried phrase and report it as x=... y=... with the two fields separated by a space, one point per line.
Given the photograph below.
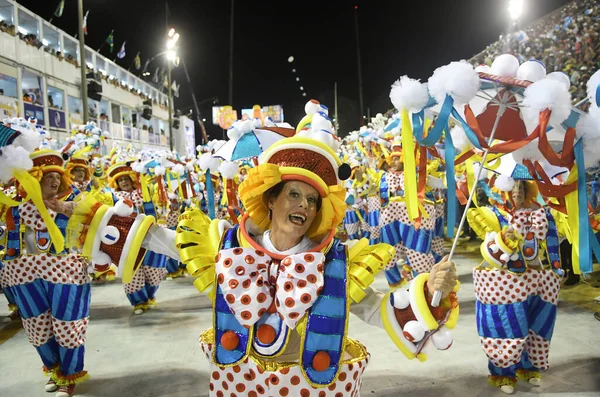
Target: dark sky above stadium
x=396 y=38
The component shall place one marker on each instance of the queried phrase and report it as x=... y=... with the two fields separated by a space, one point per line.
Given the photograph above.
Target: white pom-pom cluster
x=505 y=65
x=457 y=79
x=138 y=167
x=435 y=182
x=588 y=130
x=483 y=69
x=228 y=169
x=560 y=77
x=13 y=158
x=159 y=170
x=208 y=162
x=531 y=71
x=530 y=151
x=459 y=139
x=504 y=183
x=547 y=94
x=409 y=94
x=123 y=209
x=592 y=87
x=178 y=169
x=482 y=175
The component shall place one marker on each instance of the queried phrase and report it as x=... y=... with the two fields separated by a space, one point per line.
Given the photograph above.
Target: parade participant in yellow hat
x=51 y=284
x=283 y=287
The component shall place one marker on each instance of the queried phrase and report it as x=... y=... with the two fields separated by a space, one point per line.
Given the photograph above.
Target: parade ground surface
x=157 y=353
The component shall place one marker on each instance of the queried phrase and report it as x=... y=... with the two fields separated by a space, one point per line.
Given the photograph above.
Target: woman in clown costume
x=283 y=287
x=141 y=291
x=50 y=286
x=516 y=293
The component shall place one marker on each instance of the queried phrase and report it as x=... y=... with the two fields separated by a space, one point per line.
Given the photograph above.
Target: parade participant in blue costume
x=283 y=287
x=141 y=291
x=516 y=293
x=50 y=285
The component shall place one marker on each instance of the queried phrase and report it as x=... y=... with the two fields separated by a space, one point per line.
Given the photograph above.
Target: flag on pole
x=121 y=53
x=110 y=41
x=59 y=10
x=137 y=61
x=175 y=89
x=85 y=22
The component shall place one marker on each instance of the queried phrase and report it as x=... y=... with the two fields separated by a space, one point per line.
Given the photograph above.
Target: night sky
x=396 y=38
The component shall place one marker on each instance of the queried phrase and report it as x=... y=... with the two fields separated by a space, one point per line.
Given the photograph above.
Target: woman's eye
x=294 y=194
x=312 y=200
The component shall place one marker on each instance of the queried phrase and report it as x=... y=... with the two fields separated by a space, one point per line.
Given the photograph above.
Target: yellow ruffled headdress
x=310 y=157
x=118 y=170
x=45 y=161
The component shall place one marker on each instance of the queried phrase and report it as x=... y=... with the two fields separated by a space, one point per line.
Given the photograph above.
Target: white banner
x=190 y=135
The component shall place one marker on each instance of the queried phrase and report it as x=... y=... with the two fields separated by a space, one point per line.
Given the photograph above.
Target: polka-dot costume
x=503 y=352
x=503 y=287
x=538 y=349
x=249 y=379
x=516 y=312
x=52 y=293
x=134 y=196
x=527 y=220
x=56 y=269
x=250 y=283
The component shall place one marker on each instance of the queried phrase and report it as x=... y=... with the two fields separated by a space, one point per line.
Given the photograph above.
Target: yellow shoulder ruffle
x=364 y=262
x=198 y=240
x=483 y=220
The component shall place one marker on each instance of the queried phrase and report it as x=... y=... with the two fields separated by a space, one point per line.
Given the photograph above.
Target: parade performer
x=50 y=286
x=516 y=293
x=141 y=290
x=283 y=288
x=78 y=168
x=353 y=218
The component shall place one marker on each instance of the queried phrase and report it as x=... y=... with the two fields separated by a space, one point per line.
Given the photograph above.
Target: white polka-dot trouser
x=515 y=317
x=53 y=296
x=249 y=379
x=145 y=282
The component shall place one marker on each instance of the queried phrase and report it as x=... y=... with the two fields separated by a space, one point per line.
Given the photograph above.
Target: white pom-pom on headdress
x=504 y=183
x=457 y=79
x=547 y=94
x=459 y=139
x=228 y=169
x=409 y=94
x=592 y=86
x=483 y=69
x=13 y=158
x=190 y=165
x=312 y=107
x=482 y=175
x=505 y=65
x=531 y=71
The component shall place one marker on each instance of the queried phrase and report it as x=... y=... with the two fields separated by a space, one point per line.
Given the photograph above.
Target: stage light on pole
x=515 y=9
x=171 y=32
x=301 y=88
x=291 y=59
x=171 y=55
x=297 y=78
x=293 y=70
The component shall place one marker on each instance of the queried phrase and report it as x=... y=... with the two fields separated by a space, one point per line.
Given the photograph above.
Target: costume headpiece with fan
x=310 y=157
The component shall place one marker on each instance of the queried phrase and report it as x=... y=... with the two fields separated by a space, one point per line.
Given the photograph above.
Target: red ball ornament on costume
x=230 y=340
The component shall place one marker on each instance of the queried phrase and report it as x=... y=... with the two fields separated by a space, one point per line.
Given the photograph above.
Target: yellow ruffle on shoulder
x=483 y=220
x=364 y=262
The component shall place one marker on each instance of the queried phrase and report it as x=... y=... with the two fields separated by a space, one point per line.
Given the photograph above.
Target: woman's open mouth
x=297 y=219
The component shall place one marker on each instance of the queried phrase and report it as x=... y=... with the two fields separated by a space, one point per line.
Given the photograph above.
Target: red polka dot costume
x=51 y=290
x=517 y=296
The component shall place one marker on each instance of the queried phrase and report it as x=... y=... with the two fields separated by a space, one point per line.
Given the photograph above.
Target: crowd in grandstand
x=565 y=40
